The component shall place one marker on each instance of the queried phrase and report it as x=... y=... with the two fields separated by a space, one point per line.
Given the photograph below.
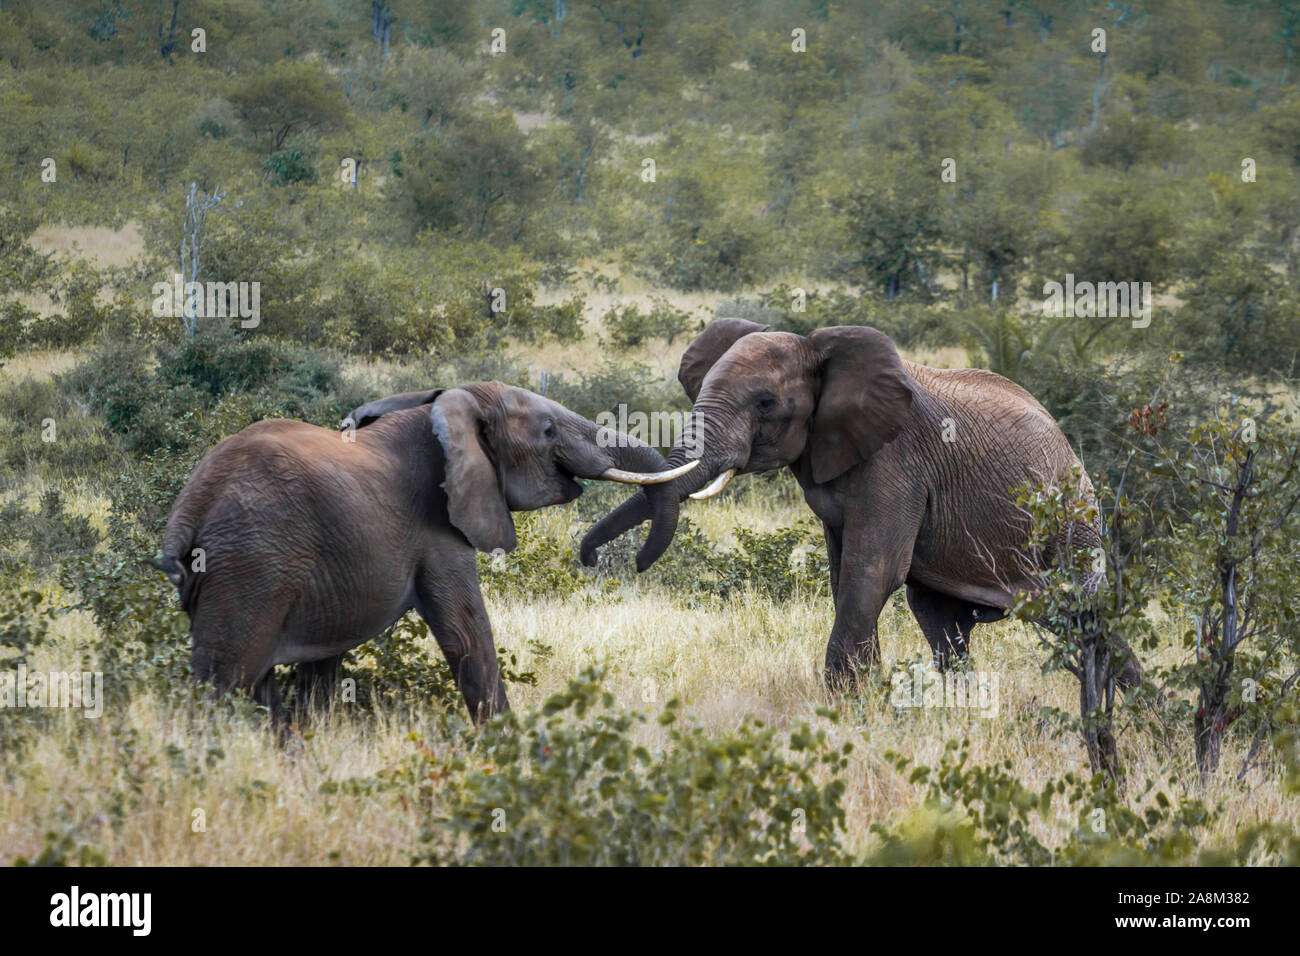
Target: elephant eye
x=549 y=431
x=766 y=403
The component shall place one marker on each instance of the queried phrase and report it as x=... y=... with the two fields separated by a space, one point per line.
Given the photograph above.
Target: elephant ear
x=864 y=398
x=709 y=346
x=475 y=502
x=363 y=415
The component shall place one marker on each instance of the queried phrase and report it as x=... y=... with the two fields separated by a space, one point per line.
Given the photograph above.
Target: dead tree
x=197 y=204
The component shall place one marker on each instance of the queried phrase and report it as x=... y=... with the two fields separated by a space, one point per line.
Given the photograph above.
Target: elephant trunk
x=661 y=504
x=611 y=456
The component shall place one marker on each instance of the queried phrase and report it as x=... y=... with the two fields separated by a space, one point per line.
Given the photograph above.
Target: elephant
x=293 y=544
x=909 y=468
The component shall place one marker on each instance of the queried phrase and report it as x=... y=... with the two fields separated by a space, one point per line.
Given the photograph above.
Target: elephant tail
x=177 y=546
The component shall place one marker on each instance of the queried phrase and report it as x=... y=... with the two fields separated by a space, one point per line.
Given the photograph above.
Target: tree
x=289 y=98
x=470 y=177
x=894 y=224
x=1233 y=556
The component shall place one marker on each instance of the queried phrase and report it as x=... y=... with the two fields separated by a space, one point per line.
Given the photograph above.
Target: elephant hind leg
x=236 y=651
x=314 y=683
x=267 y=693
x=947 y=622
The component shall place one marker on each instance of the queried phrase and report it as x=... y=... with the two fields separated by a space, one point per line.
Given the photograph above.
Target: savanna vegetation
x=558 y=194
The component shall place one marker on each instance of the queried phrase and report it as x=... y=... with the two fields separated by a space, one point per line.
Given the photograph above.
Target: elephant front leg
x=860 y=595
x=874 y=552
x=453 y=607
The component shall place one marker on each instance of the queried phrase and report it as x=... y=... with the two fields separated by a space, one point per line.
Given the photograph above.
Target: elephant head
x=508 y=449
x=763 y=400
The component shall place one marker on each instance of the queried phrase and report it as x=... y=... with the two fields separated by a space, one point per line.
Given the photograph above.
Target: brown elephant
x=293 y=544
x=909 y=469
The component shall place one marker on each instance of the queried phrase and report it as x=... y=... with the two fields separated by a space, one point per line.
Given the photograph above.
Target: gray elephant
x=909 y=469
x=293 y=544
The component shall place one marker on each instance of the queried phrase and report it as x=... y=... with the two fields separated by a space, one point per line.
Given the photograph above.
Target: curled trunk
x=660 y=504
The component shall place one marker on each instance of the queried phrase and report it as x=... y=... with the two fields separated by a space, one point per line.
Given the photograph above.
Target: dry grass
x=104 y=246
x=131 y=785
x=37 y=365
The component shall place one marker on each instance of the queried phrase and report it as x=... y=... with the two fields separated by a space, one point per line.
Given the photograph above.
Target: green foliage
x=616 y=382
x=567 y=783
x=144 y=635
x=24 y=622
x=539 y=566
x=1241 y=313
x=48 y=533
x=764 y=562
x=1064 y=548
x=65 y=849
x=894 y=228
x=909 y=324
x=294 y=165
x=402 y=666
x=290 y=97
x=985 y=814
x=628 y=326
x=1232 y=553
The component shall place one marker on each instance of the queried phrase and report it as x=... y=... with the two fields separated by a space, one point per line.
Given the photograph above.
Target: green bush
x=567 y=783
x=911 y=324
x=616 y=382
x=144 y=635
x=976 y=814
x=47 y=534
x=627 y=326
x=694 y=570
x=404 y=666
x=538 y=567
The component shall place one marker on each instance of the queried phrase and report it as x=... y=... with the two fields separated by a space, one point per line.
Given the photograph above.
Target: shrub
x=909 y=323
x=144 y=634
x=49 y=533
x=25 y=619
x=978 y=814
x=614 y=383
x=694 y=570
x=403 y=665
x=566 y=783
x=627 y=326
x=538 y=567
x=82 y=316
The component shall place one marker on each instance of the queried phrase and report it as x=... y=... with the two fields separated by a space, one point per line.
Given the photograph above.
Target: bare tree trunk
x=1096 y=701
x=165 y=47
x=1212 y=717
x=197 y=205
x=1096 y=93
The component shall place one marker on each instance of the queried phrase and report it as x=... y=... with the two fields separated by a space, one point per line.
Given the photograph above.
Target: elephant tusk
x=716 y=485
x=647 y=477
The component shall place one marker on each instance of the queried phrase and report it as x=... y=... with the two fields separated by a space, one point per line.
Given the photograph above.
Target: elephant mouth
x=569 y=486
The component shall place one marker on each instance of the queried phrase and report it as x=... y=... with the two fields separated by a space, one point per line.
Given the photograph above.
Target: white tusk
x=647 y=477
x=716 y=485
